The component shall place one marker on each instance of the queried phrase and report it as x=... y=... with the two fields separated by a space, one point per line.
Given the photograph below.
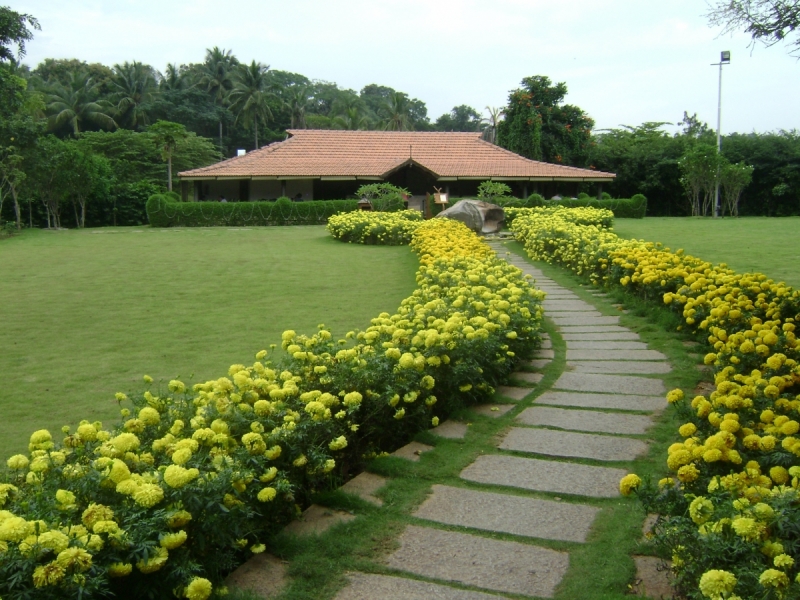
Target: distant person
x=222 y=199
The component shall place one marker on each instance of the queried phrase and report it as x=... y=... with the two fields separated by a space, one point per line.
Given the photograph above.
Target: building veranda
x=333 y=164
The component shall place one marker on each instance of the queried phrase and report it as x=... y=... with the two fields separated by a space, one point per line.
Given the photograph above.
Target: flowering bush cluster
x=194 y=479
x=731 y=506
x=600 y=217
x=383 y=228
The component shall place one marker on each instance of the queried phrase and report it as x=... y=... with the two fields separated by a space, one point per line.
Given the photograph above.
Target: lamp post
x=724 y=59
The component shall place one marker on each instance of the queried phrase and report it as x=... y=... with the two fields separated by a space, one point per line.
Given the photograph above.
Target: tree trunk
x=77 y=219
x=255 y=126
x=169 y=172
x=83 y=213
x=220 y=135
x=16 y=208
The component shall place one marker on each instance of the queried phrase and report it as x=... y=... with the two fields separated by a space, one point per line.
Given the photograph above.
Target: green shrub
x=623 y=208
x=384 y=197
x=535 y=200
x=164 y=211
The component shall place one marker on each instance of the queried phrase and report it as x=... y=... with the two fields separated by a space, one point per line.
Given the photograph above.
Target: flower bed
x=196 y=479
x=599 y=217
x=731 y=508
x=383 y=228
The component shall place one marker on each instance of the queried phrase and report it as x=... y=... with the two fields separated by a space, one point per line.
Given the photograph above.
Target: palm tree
x=77 y=104
x=135 y=85
x=217 y=77
x=297 y=99
x=174 y=78
x=352 y=118
x=396 y=113
x=250 y=94
x=495 y=116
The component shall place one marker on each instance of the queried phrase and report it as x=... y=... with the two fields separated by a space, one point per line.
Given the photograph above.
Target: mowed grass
x=87 y=313
x=751 y=244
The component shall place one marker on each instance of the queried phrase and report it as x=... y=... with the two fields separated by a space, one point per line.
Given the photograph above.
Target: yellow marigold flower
x=54 y=540
x=406 y=361
x=125 y=442
x=687 y=430
x=338 y=444
x=273 y=453
x=170 y=541
x=49 y=574
x=300 y=461
x=179 y=518
x=352 y=399
x=149 y=416
x=149 y=494
x=96 y=512
x=254 y=443
x=688 y=473
x=773 y=578
x=783 y=561
x=329 y=465
x=176 y=386
x=269 y=475
x=400 y=414
x=701 y=509
x=435 y=421
x=199 y=588
x=119 y=471
x=629 y=483
x=18 y=462
x=154 y=562
x=181 y=456
x=75 y=558
x=147 y=379
x=779 y=475
x=105 y=527
x=717 y=584
x=120 y=569
x=267 y=494
x=127 y=487
x=257 y=548
x=747 y=528
x=176 y=476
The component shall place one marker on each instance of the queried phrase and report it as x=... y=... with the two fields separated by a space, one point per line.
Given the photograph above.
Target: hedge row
x=164 y=211
x=195 y=479
x=730 y=509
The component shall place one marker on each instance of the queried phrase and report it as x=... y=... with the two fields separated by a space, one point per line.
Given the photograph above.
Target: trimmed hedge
x=623 y=208
x=164 y=211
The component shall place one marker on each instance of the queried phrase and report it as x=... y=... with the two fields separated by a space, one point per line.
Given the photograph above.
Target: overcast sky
x=624 y=61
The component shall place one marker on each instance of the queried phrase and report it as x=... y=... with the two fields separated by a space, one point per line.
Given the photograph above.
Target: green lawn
x=87 y=313
x=752 y=244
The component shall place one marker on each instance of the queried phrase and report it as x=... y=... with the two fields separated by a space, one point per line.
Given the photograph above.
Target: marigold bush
x=196 y=478
x=382 y=228
x=731 y=511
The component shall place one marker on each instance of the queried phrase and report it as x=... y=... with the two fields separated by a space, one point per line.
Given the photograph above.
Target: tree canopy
x=767 y=21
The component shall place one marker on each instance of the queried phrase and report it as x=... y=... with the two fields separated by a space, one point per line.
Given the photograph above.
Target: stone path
x=490 y=533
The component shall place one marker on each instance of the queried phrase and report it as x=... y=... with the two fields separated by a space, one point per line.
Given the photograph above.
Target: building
x=316 y=164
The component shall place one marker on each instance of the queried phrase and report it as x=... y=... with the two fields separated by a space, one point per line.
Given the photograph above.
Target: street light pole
x=724 y=59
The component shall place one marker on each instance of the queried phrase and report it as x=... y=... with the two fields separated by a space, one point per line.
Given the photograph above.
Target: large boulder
x=481 y=217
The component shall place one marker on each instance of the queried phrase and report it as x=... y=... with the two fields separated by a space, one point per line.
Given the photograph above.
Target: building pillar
x=525 y=190
x=599 y=191
x=283 y=188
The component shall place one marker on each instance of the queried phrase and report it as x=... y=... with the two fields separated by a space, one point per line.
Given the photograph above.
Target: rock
x=481 y=217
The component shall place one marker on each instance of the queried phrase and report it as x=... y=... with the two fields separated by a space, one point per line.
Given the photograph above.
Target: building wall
x=242 y=190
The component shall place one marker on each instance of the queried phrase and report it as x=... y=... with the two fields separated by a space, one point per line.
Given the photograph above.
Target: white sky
x=624 y=61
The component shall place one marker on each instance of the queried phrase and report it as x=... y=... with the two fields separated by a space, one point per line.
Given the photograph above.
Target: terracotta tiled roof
x=337 y=153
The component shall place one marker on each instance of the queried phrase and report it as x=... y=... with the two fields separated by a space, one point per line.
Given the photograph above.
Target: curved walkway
x=510 y=523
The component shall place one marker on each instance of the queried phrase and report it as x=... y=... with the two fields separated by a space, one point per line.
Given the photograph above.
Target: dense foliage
x=165 y=210
x=195 y=479
x=730 y=509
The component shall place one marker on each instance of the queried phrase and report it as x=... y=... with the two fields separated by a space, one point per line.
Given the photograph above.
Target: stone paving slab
x=590 y=313
x=580 y=319
x=364 y=586
x=450 y=429
x=610 y=384
x=482 y=562
x=546 y=342
x=492 y=410
x=537 y=363
x=263 y=574
x=586 y=420
x=567 y=305
x=599 y=337
x=514 y=393
x=412 y=451
x=317 y=519
x=609 y=401
x=605 y=345
x=517 y=515
x=364 y=486
x=545 y=353
x=545 y=475
x=572 y=445
x=627 y=367
x=532 y=378
x=614 y=355
x=581 y=329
